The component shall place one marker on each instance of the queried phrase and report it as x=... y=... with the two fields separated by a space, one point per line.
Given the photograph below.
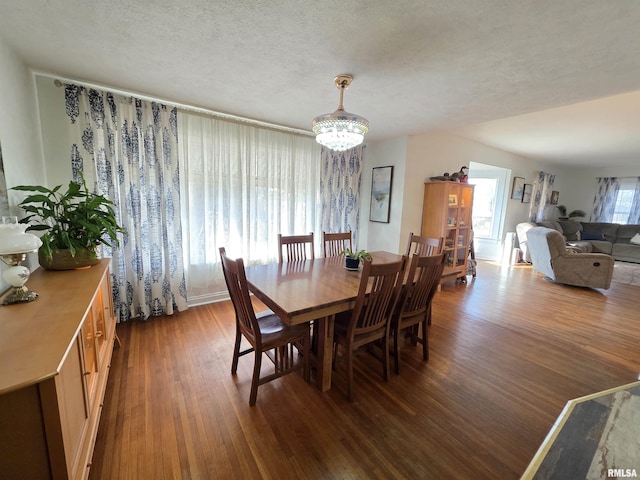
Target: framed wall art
x=381 y=194
x=554 y=197
x=526 y=193
x=517 y=188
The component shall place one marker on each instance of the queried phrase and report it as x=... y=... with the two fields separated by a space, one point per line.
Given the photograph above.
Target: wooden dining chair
x=266 y=334
x=333 y=244
x=424 y=246
x=368 y=322
x=295 y=247
x=414 y=304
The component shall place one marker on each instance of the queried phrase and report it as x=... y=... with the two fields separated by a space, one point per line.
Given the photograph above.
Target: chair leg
x=236 y=350
x=429 y=314
x=256 y=377
x=414 y=334
x=425 y=340
x=307 y=356
x=385 y=358
x=396 y=348
x=349 y=359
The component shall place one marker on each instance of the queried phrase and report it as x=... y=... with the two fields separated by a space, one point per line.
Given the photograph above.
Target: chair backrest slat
x=335 y=243
x=295 y=247
x=424 y=246
x=377 y=295
x=422 y=283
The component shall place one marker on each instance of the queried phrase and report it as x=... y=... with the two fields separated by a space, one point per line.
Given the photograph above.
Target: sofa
x=590 y=237
x=551 y=257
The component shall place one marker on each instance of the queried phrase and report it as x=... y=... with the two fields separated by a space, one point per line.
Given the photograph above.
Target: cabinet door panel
x=74 y=409
x=97 y=309
x=90 y=360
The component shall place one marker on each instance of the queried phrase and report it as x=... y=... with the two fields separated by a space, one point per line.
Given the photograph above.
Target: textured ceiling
x=417 y=65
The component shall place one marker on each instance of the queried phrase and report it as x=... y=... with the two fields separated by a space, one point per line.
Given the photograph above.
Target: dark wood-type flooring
x=508 y=350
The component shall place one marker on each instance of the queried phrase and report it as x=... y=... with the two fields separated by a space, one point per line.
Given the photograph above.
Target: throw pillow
x=591 y=236
x=636 y=239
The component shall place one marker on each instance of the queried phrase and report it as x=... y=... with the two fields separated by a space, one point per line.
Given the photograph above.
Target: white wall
x=55 y=136
x=19 y=130
x=384 y=236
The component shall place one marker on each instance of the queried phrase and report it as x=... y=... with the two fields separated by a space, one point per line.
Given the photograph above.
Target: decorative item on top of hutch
x=446 y=213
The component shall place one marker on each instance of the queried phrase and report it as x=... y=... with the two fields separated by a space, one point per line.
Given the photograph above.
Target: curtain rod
x=59 y=82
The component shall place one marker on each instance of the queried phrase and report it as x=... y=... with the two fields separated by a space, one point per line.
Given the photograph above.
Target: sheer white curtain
x=242 y=185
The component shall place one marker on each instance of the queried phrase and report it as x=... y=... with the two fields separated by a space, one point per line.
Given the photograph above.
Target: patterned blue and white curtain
x=634 y=214
x=340 y=178
x=127 y=150
x=604 y=202
x=541 y=208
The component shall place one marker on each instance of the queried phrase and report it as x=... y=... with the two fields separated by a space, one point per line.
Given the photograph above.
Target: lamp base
x=19 y=295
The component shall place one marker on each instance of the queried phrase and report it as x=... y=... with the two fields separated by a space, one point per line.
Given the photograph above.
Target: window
x=488 y=199
x=484 y=205
x=242 y=186
x=624 y=201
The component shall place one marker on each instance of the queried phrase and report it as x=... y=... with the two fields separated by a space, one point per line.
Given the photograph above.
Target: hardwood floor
x=508 y=350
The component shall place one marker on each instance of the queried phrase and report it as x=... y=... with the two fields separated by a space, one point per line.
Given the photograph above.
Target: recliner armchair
x=521 y=231
x=551 y=257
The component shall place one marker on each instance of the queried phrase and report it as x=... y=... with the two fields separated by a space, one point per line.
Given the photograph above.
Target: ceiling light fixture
x=340 y=130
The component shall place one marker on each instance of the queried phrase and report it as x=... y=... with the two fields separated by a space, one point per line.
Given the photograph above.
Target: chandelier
x=340 y=130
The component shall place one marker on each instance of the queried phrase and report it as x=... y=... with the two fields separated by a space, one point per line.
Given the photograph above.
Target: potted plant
x=352 y=258
x=75 y=222
x=576 y=214
x=563 y=212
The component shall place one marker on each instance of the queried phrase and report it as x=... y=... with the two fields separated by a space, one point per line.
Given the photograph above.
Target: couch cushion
x=609 y=230
x=571 y=230
x=580 y=246
x=591 y=236
x=551 y=224
x=627 y=232
x=601 y=246
x=627 y=252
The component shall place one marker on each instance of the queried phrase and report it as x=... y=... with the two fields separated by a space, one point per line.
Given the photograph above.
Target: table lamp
x=15 y=243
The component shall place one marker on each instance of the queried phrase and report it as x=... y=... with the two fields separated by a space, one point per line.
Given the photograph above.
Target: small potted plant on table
x=352 y=258
x=75 y=223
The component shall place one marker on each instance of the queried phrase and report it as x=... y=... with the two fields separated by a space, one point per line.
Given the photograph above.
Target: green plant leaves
x=75 y=219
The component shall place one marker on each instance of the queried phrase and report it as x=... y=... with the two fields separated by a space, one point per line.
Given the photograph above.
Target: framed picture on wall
x=526 y=193
x=381 y=194
x=554 y=197
x=517 y=188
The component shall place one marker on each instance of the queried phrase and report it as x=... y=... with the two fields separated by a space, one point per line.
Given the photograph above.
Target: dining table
x=311 y=290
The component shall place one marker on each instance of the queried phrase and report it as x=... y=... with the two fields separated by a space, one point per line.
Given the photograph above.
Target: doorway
x=489 y=208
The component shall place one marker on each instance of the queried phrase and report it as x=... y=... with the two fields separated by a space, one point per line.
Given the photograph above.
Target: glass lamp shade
x=340 y=130
x=14 y=239
x=15 y=243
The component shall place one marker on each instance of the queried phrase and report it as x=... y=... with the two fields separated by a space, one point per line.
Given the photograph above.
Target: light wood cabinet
x=446 y=213
x=55 y=355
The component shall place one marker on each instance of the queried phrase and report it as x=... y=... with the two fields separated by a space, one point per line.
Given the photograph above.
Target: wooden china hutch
x=55 y=354
x=446 y=213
